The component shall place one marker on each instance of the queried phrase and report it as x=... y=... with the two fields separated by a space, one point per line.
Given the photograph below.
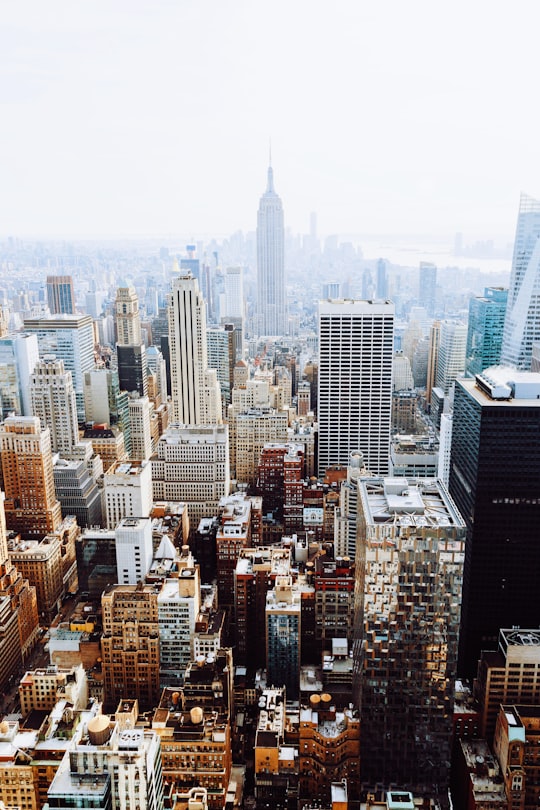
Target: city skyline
x=393 y=120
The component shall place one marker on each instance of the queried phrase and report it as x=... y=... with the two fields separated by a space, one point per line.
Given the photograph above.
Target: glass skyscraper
x=522 y=324
x=485 y=330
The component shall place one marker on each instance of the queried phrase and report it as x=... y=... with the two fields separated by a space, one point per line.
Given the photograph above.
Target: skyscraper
x=71 y=339
x=427 y=286
x=451 y=359
x=494 y=473
x=271 y=297
x=53 y=401
x=355 y=382
x=409 y=568
x=195 y=392
x=522 y=323
x=60 y=295
x=485 y=330
x=27 y=477
x=130 y=352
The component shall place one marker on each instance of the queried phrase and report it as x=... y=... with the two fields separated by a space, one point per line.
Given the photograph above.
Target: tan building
x=250 y=430
x=329 y=748
x=108 y=443
x=40 y=561
x=41 y=689
x=130 y=644
x=509 y=675
x=19 y=627
x=31 y=506
x=276 y=759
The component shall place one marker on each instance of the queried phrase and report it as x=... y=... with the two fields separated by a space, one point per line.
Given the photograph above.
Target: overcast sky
x=133 y=117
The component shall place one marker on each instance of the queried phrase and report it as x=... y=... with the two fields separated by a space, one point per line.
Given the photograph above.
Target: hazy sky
x=133 y=117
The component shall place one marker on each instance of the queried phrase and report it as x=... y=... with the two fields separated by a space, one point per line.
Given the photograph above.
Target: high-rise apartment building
x=432 y=359
x=222 y=358
x=27 y=477
x=355 y=382
x=451 y=359
x=19 y=354
x=271 y=294
x=522 y=322
x=409 y=567
x=494 y=470
x=485 y=330
x=60 y=295
x=196 y=397
x=427 y=286
x=19 y=622
x=53 y=400
x=71 y=339
x=130 y=644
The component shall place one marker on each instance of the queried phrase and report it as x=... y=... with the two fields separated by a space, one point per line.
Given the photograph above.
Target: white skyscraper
x=233 y=304
x=522 y=322
x=355 y=382
x=196 y=396
x=53 y=400
x=271 y=297
x=452 y=351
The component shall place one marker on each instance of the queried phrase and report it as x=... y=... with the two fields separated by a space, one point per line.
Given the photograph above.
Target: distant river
x=412 y=255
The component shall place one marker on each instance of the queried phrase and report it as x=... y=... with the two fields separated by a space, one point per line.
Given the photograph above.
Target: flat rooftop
x=408 y=502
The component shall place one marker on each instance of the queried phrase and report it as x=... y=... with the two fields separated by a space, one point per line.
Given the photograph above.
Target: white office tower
x=191 y=465
x=522 y=321
x=140 y=411
x=452 y=352
x=114 y=766
x=18 y=356
x=71 y=339
x=233 y=303
x=127 y=491
x=195 y=392
x=355 y=382
x=271 y=296
x=134 y=552
x=179 y=603
x=53 y=400
x=445 y=443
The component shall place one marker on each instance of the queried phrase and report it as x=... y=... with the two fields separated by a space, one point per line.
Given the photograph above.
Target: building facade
x=271 y=294
x=355 y=382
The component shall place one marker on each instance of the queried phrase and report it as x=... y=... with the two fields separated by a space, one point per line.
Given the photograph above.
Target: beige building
x=509 y=675
x=19 y=625
x=40 y=561
x=250 y=430
x=40 y=689
x=191 y=464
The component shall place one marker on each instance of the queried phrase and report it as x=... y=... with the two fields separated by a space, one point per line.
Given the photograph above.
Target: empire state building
x=271 y=299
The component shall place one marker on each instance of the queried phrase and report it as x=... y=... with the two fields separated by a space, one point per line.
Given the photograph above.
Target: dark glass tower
x=494 y=475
